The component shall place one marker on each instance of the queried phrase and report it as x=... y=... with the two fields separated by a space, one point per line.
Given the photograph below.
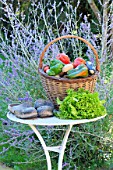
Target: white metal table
x=51 y=121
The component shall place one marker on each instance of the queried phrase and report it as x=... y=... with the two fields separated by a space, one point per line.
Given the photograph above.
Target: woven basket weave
x=56 y=87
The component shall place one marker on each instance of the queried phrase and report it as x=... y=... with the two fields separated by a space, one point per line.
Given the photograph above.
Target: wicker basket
x=56 y=87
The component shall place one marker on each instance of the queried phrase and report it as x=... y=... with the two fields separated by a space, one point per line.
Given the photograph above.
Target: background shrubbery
x=26 y=27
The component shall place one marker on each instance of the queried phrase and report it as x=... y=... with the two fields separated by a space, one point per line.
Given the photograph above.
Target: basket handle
x=69 y=36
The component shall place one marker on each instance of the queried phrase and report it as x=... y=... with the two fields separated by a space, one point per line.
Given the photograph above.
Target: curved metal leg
x=59 y=149
x=43 y=145
x=63 y=146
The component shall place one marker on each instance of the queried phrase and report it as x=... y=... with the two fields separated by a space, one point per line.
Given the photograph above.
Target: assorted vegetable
x=46 y=68
x=80 y=104
x=63 y=57
x=55 y=67
x=80 y=71
x=54 y=62
x=67 y=67
x=90 y=67
x=61 y=66
x=78 y=61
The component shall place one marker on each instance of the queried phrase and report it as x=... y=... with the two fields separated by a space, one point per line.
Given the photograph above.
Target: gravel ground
x=3 y=167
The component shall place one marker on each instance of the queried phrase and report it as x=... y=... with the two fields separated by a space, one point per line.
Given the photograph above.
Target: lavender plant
x=20 y=49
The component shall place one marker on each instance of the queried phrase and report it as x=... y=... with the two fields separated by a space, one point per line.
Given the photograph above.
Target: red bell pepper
x=78 y=61
x=63 y=57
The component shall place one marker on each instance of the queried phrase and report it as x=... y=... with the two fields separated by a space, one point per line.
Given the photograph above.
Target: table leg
x=63 y=146
x=59 y=149
x=43 y=145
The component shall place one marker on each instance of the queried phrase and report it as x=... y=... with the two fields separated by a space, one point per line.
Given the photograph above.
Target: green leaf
x=81 y=104
x=16 y=167
x=59 y=101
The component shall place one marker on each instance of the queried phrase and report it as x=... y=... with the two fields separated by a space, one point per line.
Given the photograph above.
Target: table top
x=50 y=121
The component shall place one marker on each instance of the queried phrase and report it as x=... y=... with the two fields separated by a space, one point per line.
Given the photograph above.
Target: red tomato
x=46 y=68
x=63 y=57
x=78 y=61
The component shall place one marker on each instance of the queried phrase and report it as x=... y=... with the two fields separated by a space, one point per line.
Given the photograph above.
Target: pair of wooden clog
x=42 y=108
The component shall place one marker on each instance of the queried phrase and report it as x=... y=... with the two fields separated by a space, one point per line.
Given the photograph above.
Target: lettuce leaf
x=81 y=104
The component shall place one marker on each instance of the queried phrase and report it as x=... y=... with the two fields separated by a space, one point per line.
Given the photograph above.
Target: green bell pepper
x=54 y=62
x=50 y=72
x=55 y=70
